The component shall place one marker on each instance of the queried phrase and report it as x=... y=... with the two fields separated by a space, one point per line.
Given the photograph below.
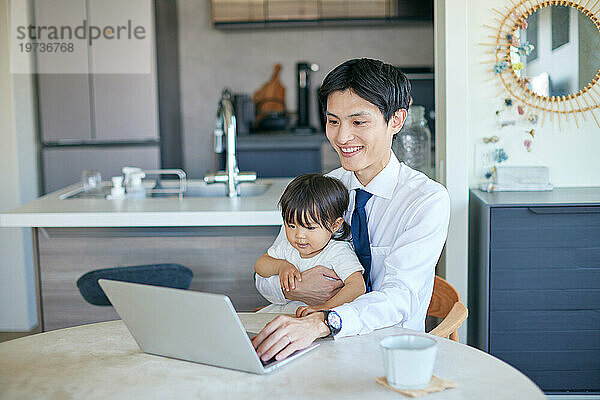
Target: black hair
x=381 y=84
x=315 y=197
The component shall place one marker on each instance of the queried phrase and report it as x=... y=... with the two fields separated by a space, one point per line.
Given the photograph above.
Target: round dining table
x=103 y=361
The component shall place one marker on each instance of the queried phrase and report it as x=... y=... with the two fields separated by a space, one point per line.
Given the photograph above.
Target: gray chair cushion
x=168 y=275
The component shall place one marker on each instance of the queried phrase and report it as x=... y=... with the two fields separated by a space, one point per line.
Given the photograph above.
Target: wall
x=19 y=183
x=243 y=60
x=570 y=153
x=452 y=76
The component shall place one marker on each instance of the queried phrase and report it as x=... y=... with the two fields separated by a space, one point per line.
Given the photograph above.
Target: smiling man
x=398 y=216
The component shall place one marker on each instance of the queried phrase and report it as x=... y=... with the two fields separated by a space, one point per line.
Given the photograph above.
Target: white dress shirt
x=407 y=218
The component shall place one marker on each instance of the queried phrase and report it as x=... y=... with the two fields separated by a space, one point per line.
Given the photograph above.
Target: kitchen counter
x=218 y=238
x=51 y=211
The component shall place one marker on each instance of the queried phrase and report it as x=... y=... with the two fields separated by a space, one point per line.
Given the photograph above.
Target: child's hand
x=303 y=311
x=287 y=275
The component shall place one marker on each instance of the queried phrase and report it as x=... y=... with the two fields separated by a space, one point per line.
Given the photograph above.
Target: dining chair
x=167 y=275
x=445 y=303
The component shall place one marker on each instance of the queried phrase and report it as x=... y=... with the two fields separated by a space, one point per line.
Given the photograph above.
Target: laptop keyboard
x=270 y=362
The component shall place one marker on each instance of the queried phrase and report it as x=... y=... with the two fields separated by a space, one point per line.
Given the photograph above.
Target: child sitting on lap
x=313 y=207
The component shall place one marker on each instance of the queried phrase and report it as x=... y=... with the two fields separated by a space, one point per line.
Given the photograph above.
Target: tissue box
x=507 y=176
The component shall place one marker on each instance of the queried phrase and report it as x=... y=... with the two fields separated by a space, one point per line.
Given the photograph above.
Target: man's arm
x=408 y=267
x=354 y=286
x=318 y=285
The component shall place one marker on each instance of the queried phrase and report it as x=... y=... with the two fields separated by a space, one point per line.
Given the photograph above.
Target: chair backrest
x=168 y=275
x=445 y=303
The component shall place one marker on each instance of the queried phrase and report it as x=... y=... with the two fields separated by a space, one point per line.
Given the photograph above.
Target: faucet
x=226 y=124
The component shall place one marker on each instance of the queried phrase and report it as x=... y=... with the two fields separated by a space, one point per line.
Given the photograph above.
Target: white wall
x=18 y=185
x=452 y=76
x=211 y=59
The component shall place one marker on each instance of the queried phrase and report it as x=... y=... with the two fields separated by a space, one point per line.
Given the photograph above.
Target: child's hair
x=322 y=199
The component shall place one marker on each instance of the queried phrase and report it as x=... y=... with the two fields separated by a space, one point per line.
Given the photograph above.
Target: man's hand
x=284 y=335
x=288 y=273
x=303 y=311
x=318 y=285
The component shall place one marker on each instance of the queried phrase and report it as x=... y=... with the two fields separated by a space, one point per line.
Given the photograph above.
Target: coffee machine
x=303 y=71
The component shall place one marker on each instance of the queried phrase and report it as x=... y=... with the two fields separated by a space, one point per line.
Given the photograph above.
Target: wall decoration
x=549 y=79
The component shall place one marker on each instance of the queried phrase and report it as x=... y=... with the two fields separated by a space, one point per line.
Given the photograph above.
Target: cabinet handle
x=565 y=210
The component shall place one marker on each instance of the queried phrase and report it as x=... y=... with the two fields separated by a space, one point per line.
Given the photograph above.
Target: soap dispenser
x=133 y=182
x=117 y=191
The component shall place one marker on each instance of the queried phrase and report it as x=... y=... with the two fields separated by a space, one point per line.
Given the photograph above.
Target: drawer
x=564 y=340
x=545 y=299
x=540 y=278
x=552 y=360
x=545 y=227
x=544 y=321
x=520 y=258
x=562 y=381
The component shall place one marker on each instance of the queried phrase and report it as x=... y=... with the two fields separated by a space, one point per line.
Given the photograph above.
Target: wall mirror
x=547 y=57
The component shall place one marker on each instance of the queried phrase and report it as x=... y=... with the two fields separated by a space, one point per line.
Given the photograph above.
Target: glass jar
x=412 y=145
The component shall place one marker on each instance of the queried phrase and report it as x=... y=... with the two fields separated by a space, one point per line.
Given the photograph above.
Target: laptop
x=188 y=325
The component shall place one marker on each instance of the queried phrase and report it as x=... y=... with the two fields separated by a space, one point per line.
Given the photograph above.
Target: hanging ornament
x=528 y=143
x=533 y=119
x=508 y=102
x=500 y=67
x=500 y=155
x=520 y=110
x=525 y=49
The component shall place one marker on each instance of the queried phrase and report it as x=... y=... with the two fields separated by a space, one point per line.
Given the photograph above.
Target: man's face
x=359 y=134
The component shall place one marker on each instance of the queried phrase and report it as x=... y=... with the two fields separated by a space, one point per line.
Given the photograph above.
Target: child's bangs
x=302 y=214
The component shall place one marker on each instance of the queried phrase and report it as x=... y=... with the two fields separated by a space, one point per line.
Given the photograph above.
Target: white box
x=522 y=175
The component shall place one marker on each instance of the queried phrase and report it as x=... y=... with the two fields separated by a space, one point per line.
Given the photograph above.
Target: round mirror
x=557 y=47
x=546 y=58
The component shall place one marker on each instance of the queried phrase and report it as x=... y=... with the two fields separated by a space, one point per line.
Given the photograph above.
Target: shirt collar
x=383 y=184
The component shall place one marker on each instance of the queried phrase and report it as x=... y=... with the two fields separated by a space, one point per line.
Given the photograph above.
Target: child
x=312 y=207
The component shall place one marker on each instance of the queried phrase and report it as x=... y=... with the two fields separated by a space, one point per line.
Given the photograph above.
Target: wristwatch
x=333 y=322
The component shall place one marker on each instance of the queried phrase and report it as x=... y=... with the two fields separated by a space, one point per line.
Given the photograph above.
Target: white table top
x=51 y=211
x=102 y=361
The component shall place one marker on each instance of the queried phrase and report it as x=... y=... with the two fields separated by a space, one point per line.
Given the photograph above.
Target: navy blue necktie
x=360 y=234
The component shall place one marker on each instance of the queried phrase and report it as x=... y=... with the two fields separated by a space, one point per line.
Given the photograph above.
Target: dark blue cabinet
x=534 y=284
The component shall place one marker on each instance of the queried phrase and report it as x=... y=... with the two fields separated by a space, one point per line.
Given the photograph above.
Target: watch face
x=334 y=320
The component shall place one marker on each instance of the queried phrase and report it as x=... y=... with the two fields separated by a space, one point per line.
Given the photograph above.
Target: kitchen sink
x=194 y=189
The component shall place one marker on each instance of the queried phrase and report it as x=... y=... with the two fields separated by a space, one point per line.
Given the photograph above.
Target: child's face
x=310 y=241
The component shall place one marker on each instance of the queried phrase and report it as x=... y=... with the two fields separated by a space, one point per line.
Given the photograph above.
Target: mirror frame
x=585 y=101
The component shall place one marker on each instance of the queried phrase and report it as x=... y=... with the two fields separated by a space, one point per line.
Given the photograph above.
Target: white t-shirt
x=337 y=255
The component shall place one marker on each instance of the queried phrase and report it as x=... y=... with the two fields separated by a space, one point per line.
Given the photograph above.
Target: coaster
x=436 y=384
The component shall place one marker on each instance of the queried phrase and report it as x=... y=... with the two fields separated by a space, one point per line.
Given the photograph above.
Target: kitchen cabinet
x=275 y=155
x=93 y=105
x=99 y=103
x=221 y=258
x=232 y=14
x=534 y=284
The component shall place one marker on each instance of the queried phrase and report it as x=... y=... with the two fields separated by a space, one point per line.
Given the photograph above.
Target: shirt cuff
x=350 y=321
x=270 y=288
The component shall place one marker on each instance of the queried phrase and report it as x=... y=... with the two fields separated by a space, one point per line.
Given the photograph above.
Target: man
x=399 y=218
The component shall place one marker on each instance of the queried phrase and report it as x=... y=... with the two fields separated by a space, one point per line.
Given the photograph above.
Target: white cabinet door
x=124 y=82
x=63 y=80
